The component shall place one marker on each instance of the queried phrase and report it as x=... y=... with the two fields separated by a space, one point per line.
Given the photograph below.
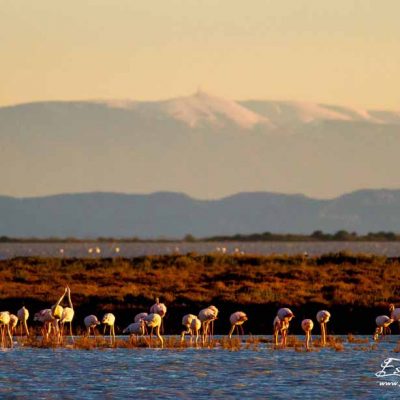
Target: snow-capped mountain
x=202 y=144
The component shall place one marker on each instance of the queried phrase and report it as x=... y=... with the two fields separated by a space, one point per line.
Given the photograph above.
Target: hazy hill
x=201 y=144
x=174 y=214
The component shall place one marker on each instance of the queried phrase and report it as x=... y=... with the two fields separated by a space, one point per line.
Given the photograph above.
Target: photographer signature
x=390 y=367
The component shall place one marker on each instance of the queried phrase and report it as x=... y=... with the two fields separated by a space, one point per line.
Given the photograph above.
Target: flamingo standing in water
x=67 y=315
x=394 y=313
x=281 y=325
x=109 y=320
x=57 y=313
x=207 y=316
x=382 y=326
x=323 y=317
x=237 y=319
x=46 y=318
x=5 y=327
x=140 y=316
x=160 y=309
x=307 y=325
x=195 y=327
x=154 y=320
x=136 y=328
x=187 y=323
x=23 y=315
x=91 y=322
x=13 y=323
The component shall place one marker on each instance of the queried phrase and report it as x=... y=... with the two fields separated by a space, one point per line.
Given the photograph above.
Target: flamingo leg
x=159 y=336
x=231 y=331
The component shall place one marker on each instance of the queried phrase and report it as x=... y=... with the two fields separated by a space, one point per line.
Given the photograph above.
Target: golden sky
x=342 y=51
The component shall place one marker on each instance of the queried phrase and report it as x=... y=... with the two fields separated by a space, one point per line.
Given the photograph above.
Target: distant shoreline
x=316 y=236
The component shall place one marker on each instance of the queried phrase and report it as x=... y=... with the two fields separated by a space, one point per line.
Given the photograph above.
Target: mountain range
x=201 y=144
x=173 y=215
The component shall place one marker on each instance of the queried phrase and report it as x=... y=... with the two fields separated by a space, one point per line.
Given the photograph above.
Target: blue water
x=196 y=373
x=9 y=250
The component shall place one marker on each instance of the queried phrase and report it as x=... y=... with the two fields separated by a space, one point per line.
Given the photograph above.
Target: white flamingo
x=91 y=322
x=5 y=328
x=382 y=326
x=323 y=317
x=280 y=327
x=154 y=321
x=207 y=316
x=195 y=327
x=23 y=315
x=140 y=316
x=237 y=319
x=46 y=318
x=394 y=313
x=160 y=309
x=67 y=315
x=307 y=325
x=136 y=328
x=281 y=324
x=13 y=323
x=187 y=322
x=109 y=320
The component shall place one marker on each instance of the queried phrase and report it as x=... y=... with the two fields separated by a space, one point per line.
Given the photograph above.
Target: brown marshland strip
x=355 y=288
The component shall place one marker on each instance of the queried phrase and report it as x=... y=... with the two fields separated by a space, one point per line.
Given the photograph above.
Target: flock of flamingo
x=54 y=319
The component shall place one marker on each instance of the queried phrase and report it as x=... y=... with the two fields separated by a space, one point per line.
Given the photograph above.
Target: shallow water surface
x=96 y=250
x=196 y=373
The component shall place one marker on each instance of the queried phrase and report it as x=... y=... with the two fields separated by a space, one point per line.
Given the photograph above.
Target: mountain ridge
x=169 y=214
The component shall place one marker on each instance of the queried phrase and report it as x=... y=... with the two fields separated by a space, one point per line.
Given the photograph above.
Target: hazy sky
x=342 y=51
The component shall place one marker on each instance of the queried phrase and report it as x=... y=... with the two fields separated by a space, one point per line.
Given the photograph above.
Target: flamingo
x=280 y=327
x=207 y=317
x=323 y=317
x=13 y=323
x=195 y=327
x=46 y=318
x=307 y=325
x=281 y=324
x=136 y=328
x=187 y=322
x=109 y=320
x=140 y=316
x=5 y=326
x=56 y=309
x=394 y=313
x=91 y=322
x=23 y=315
x=67 y=315
x=237 y=319
x=382 y=322
x=154 y=320
x=160 y=309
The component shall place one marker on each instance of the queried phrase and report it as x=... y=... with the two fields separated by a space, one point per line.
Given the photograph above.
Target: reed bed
x=252 y=343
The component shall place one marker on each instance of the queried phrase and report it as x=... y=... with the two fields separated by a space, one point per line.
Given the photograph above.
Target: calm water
x=9 y=250
x=195 y=373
